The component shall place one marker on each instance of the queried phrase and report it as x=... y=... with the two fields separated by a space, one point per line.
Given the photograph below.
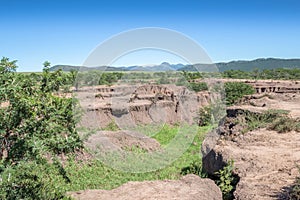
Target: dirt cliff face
x=129 y=105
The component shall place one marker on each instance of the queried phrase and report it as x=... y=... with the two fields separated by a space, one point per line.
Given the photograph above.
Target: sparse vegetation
x=294 y=194
x=277 y=120
x=226 y=180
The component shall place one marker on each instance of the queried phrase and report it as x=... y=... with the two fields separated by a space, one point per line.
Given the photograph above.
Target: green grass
x=95 y=175
x=166 y=134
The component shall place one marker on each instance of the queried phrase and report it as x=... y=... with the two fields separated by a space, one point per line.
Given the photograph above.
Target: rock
x=213 y=162
x=189 y=187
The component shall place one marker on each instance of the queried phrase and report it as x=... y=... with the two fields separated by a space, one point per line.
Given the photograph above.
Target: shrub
x=271 y=119
x=205 y=116
x=31 y=180
x=226 y=180
x=197 y=87
x=283 y=125
x=36 y=124
x=236 y=90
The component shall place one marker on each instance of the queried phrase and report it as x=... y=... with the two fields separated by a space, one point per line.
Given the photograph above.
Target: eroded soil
x=189 y=187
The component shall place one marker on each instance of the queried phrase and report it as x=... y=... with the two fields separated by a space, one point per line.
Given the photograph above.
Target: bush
x=197 y=87
x=205 y=116
x=283 y=125
x=226 y=180
x=31 y=180
x=36 y=124
x=236 y=90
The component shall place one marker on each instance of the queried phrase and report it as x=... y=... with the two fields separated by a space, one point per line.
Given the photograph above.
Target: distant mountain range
x=261 y=64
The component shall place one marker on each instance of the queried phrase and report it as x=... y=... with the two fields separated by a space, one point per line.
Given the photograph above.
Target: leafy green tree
x=35 y=123
x=47 y=64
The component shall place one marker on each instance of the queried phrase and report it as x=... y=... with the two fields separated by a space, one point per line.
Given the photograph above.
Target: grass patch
x=95 y=175
x=112 y=126
x=166 y=134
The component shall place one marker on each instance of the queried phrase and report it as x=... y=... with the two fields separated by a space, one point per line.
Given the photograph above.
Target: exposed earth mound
x=266 y=161
x=282 y=101
x=189 y=187
x=122 y=140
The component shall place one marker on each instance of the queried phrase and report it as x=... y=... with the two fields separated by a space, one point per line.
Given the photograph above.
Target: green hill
x=261 y=64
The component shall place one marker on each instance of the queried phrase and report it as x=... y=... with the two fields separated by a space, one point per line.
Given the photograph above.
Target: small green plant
x=294 y=193
x=194 y=168
x=226 y=180
x=112 y=126
x=205 y=116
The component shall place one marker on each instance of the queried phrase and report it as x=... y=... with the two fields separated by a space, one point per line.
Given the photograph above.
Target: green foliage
x=166 y=134
x=194 y=168
x=294 y=194
x=192 y=75
x=36 y=120
x=32 y=180
x=260 y=120
x=236 y=90
x=197 y=87
x=226 y=180
x=277 y=120
x=205 y=116
x=279 y=73
x=36 y=124
x=110 y=78
x=90 y=78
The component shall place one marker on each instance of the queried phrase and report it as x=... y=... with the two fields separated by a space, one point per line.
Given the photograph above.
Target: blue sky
x=66 y=31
